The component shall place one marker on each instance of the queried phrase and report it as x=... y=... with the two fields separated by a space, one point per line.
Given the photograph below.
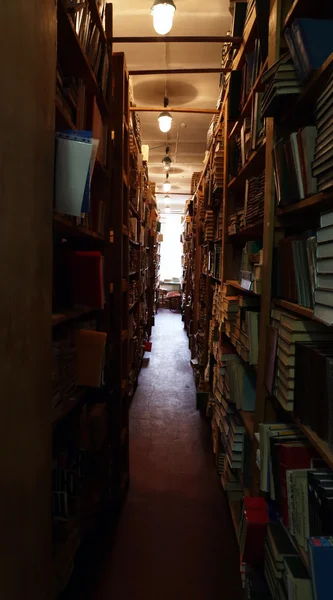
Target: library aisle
x=175 y=537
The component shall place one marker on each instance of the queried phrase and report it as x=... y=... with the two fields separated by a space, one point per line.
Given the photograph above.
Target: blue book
x=314 y=40
x=320 y=551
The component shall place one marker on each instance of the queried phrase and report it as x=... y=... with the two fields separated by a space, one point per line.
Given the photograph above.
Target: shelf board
x=246 y=110
x=71 y=315
x=65 y=407
x=251 y=167
x=66 y=225
x=132 y=273
x=319 y=444
x=237 y=285
x=317 y=202
x=132 y=305
x=256 y=229
x=215 y=278
x=296 y=308
x=308 y=9
x=72 y=54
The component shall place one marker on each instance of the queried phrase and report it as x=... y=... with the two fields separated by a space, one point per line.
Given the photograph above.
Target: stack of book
x=236 y=222
x=232 y=435
x=245 y=336
x=254 y=200
x=293 y=160
x=230 y=482
x=229 y=313
x=217 y=170
x=134 y=257
x=296 y=263
x=323 y=276
x=302 y=39
x=278 y=549
x=209 y=226
x=216 y=262
x=218 y=226
x=282 y=85
x=322 y=164
x=290 y=331
x=235 y=156
x=195 y=181
x=250 y=272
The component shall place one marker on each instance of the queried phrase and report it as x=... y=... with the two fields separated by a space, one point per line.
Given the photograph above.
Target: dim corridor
x=175 y=538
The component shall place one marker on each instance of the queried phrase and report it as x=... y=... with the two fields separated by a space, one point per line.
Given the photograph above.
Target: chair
x=174 y=299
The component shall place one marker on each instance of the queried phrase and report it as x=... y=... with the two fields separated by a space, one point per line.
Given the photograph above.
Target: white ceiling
x=193 y=17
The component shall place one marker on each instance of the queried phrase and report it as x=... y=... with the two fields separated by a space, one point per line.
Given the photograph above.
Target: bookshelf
x=212 y=337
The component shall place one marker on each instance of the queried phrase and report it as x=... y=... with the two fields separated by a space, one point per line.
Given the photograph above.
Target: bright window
x=171 y=248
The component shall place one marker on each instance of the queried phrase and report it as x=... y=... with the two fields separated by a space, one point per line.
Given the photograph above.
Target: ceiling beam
x=202 y=111
x=197 y=39
x=172 y=194
x=177 y=71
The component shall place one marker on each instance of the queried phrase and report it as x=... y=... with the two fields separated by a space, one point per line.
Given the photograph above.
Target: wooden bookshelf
x=319 y=444
x=255 y=163
x=312 y=204
x=237 y=285
x=246 y=110
x=295 y=308
x=68 y=227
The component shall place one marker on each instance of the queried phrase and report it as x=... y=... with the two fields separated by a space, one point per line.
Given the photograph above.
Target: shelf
x=237 y=285
x=65 y=407
x=215 y=278
x=256 y=162
x=132 y=305
x=296 y=308
x=66 y=225
x=319 y=444
x=316 y=203
x=97 y=19
x=125 y=178
x=246 y=110
x=308 y=9
x=132 y=273
x=71 y=315
x=125 y=230
x=64 y=115
x=248 y=232
x=235 y=510
x=124 y=335
x=124 y=285
x=134 y=211
x=72 y=54
x=250 y=31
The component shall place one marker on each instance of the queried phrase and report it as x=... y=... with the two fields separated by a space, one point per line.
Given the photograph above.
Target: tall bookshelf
x=211 y=334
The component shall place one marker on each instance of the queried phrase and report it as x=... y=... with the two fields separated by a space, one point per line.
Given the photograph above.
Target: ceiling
x=187 y=137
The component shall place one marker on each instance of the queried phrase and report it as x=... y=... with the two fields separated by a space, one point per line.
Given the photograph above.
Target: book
x=320 y=552
x=297 y=579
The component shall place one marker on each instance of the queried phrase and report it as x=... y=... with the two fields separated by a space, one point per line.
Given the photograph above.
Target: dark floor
x=175 y=539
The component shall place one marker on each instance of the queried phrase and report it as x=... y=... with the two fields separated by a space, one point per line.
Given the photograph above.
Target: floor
x=175 y=538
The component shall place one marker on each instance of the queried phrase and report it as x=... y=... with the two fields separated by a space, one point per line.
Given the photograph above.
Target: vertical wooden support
x=26 y=179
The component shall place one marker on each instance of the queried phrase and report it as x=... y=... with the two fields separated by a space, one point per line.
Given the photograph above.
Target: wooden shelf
x=66 y=225
x=319 y=444
x=132 y=305
x=97 y=19
x=215 y=278
x=248 y=232
x=134 y=211
x=71 y=315
x=255 y=163
x=296 y=308
x=316 y=203
x=65 y=407
x=248 y=36
x=71 y=53
x=133 y=242
x=308 y=9
x=235 y=510
x=132 y=273
x=246 y=110
x=237 y=285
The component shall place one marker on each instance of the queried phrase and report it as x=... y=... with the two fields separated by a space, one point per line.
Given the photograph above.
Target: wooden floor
x=175 y=539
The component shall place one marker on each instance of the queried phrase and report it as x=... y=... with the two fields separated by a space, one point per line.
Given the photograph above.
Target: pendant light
x=163 y=12
x=165 y=119
x=167 y=208
x=167 y=184
x=166 y=162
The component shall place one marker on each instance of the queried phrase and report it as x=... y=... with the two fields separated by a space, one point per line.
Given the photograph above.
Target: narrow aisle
x=175 y=537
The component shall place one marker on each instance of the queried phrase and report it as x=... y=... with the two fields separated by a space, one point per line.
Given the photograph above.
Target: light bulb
x=164 y=121
x=163 y=12
x=166 y=162
x=166 y=186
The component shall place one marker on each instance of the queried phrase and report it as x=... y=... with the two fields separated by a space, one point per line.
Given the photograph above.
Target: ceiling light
x=166 y=198
x=163 y=12
x=167 y=208
x=167 y=184
x=166 y=162
x=164 y=121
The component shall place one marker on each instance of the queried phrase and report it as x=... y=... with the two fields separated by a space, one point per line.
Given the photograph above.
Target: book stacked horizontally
x=217 y=168
x=290 y=331
x=323 y=305
x=236 y=222
x=233 y=439
x=230 y=483
x=209 y=226
x=250 y=276
x=254 y=200
x=245 y=336
x=282 y=85
x=229 y=313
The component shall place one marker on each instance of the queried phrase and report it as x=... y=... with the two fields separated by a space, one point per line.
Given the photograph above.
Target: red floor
x=175 y=538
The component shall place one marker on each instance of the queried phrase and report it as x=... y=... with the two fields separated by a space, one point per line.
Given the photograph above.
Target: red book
x=87 y=279
x=293 y=456
x=252 y=530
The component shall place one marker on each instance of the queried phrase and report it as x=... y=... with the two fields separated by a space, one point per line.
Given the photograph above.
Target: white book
x=325 y=234
x=324 y=313
x=326 y=219
x=324 y=297
x=325 y=250
x=325 y=265
x=325 y=281
x=71 y=171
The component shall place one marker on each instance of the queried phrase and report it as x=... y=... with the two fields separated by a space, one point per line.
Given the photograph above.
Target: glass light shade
x=164 y=121
x=163 y=12
x=166 y=162
x=167 y=209
x=166 y=186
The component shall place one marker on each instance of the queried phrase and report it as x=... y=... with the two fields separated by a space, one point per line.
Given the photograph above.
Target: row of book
x=252 y=134
x=250 y=272
x=240 y=322
x=91 y=40
x=304 y=269
x=287 y=335
x=322 y=166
